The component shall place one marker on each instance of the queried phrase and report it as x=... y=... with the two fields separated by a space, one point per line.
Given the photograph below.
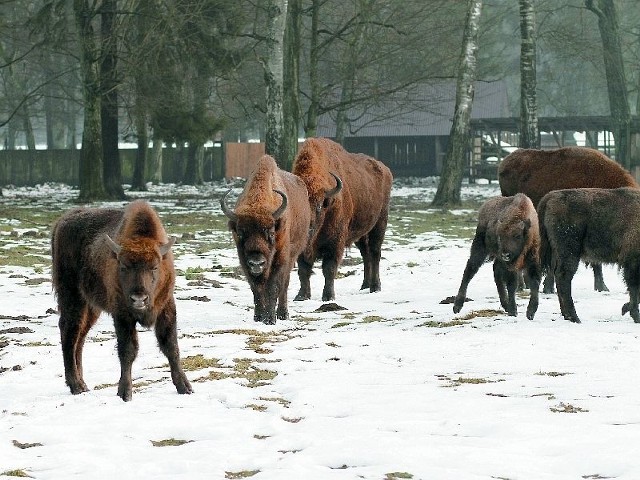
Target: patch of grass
x=373 y=318
x=397 y=475
x=340 y=324
x=170 y=442
x=256 y=407
x=554 y=374
x=102 y=386
x=567 y=408
x=242 y=474
x=285 y=403
x=24 y=446
x=15 y=473
x=481 y=313
x=436 y=324
x=199 y=362
x=456 y=382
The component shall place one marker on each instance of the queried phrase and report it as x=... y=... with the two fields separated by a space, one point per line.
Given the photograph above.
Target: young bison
x=537 y=172
x=594 y=225
x=270 y=227
x=507 y=232
x=349 y=200
x=120 y=262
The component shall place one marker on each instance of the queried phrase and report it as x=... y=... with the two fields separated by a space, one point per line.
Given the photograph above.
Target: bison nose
x=256 y=265
x=506 y=256
x=139 y=300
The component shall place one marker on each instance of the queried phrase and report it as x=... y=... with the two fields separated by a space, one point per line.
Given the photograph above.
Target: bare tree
x=529 y=135
x=276 y=11
x=616 y=79
x=91 y=169
x=448 y=192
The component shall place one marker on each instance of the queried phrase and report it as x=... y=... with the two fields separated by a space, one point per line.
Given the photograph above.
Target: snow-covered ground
x=395 y=386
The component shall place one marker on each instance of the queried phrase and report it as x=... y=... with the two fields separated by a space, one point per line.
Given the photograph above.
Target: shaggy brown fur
x=593 y=225
x=120 y=262
x=507 y=232
x=537 y=172
x=356 y=213
x=269 y=243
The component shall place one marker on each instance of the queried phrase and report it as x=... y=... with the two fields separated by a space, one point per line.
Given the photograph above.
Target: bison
x=594 y=225
x=118 y=261
x=537 y=172
x=507 y=232
x=270 y=227
x=349 y=200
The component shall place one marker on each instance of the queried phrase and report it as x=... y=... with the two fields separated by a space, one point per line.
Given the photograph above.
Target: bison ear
x=115 y=248
x=164 y=249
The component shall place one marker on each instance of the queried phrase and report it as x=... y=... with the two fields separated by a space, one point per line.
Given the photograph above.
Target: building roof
x=425 y=109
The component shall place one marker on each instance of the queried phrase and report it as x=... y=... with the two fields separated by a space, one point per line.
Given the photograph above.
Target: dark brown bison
x=507 y=232
x=349 y=199
x=117 y=261
x=594 y=225
x=537 y=172
x=270 y=226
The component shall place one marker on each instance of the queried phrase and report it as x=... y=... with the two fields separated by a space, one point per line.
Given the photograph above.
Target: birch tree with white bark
x=448 y=192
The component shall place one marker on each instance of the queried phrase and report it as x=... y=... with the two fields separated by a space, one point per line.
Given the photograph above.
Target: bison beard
x=120 y=262
x=349 y=200
x=595 y=225
x=507 y=231
x=538 y=172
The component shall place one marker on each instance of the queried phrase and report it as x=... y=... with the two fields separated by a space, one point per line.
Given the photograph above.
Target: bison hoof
x=183 y=386
x=364 y=285
x=625 y=308
x=301 y=297
x=78 y=387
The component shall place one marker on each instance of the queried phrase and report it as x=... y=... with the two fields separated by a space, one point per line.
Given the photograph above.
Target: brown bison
x=537 y=172
x=349 y=199
x=117 y=261
x=594 y=225
x=507 y=232
x=270 y=226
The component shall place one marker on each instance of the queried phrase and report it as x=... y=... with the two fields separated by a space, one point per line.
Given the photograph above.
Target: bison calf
x=595 y=225
x=507 y=232
x=537 y=172
x=117 y=261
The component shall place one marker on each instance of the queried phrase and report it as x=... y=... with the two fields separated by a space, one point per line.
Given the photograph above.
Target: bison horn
x=333 y=192
x=225 y=209
x=164 y=248
x=278 y=213
x=113 y=245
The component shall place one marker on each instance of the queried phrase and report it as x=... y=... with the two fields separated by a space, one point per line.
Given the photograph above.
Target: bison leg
x=305 y=266
x=283 y=309
x=376 y=237
x=564 y=272
x=533 y=274
x=476 y=259
x=76 y=319
x=549 y=284
x=127 y=338
x=167 y=336
x=598 y=279
x=632 y=279
x=363 y=246
x=507 y=284
x=329 y=270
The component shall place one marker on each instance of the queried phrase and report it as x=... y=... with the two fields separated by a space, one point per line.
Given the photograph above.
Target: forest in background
x=191 y=71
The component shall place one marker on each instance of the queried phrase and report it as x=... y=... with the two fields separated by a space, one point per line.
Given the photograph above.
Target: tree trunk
x=27 y=127
x=90 y=171
x=448 y=192
x=139 y=168
x=311 y=125
x=273 y=76
x=156 y=161
x=193 y=170
x=109 y=105
x=616 y=79
x=291 y=83
x=529 y=135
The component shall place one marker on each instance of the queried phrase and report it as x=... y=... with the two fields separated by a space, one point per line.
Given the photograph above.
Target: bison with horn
x=270 y=227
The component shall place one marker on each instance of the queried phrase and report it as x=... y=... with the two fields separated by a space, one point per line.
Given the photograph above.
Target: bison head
x=512 y=239
x=320 y=201
x=139 y=270
x=254 y=232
